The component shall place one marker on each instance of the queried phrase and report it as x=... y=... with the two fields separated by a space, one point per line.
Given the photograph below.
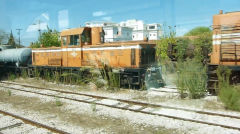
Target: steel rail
x=34 y=123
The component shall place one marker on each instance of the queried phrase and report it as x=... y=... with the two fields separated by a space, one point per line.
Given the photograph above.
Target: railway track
x=173 y=90
x=12 y=122
x=130 y=105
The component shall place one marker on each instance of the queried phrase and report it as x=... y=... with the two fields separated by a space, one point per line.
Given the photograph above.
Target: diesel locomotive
x=85 y=47
x=225 y=47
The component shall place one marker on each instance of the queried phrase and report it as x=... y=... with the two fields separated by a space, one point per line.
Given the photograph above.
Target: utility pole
x=39 y=28
x=19 y=32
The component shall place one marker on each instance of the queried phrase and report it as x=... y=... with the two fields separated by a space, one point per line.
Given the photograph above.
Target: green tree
x=48 y=38
x=11 y=40
x=202 y=43
x=182 y=48
x=35 y=44
x=198 y=31
x=162 y=45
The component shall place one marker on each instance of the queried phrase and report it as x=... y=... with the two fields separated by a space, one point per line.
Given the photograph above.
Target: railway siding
x=11 y=123
x=225 y=121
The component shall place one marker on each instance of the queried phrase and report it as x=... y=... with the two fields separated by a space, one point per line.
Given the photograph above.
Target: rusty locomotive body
x=84 y=47
x=226 y=47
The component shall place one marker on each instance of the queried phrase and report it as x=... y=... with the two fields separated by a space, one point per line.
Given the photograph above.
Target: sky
x=30 y=15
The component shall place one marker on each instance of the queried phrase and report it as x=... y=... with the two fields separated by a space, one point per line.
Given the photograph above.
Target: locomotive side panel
x=225 y=48
x=73 y=57
x=226 y=39
x=114 y=56
x=47 y=57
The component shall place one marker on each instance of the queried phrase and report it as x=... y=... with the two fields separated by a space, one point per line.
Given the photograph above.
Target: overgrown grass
x=80 y=78
x=228 y=94
x=100 y=77
x=58 y=102
x=94 y=107
x=112 y=78
x=36 y=73
x=12 y=76
x=24 y=73
x=191 y=78
x=9 y=93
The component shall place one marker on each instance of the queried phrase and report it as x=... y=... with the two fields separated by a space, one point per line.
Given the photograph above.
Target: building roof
x=72 y=31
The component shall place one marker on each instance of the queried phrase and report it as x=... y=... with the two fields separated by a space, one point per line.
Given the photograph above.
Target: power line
x=19 y=32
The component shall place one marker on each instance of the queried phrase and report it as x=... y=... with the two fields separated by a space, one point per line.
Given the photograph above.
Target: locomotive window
x=74 y=40
x=86 y=37
x=133 y=59
x=64 y=40
x=0 y=49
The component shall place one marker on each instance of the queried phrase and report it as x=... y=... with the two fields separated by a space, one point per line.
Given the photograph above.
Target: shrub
x=162 y=45
x=24 y=73
x=58 y=102
x=99 y=83
x=11 y=76
x=112 y=78
x=191 y=78
x=228 y=94
x=182 y=48
x=36 y=73
x=93 y=107
x=9 y=92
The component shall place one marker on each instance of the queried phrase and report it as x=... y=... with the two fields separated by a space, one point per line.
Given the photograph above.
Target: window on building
x=64 y=40
x=133 y=57
x=74 y=40
x=151 y=27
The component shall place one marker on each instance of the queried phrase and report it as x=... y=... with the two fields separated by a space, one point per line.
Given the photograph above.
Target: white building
x=154 y=31
x=141 y=30
x=99 y=24
x=128 y=30
x=113 y=32
x=117 y=33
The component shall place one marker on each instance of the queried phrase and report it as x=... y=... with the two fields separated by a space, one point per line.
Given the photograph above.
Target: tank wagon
x=84 y=47
x=15 y=57
x=4 y=47
x=225 y=47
